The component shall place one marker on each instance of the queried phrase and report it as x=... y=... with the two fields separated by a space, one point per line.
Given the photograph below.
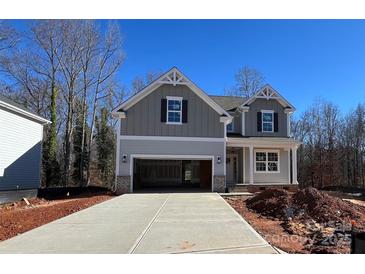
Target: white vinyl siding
x=20 y=151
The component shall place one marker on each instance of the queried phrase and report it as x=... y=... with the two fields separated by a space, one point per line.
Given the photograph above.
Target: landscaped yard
x=308 y=221
x=17 y=218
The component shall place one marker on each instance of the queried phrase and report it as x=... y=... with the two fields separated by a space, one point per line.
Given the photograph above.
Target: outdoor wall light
x=218 y=159
x=124 y=158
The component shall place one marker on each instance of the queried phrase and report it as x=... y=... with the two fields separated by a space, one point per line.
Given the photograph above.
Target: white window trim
x=267 y=160
x=169 y=157
x=262 y=121
x=167 y=110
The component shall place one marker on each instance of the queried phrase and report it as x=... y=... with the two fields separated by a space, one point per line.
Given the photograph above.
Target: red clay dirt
x=17 y=218
x=307 y=221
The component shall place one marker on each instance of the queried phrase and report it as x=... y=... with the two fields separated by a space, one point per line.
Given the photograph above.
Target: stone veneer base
x=219 y=184
x=122 y=185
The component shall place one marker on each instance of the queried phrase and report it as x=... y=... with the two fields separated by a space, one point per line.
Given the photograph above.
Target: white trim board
x=169 y=157
x=24 y=112
x=171 y=138
x=174 y=98
x=266 y=151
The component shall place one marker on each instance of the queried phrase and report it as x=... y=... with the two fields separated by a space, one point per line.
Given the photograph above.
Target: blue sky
x=302 y=59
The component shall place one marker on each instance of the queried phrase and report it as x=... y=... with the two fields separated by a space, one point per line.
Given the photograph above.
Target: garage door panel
x=172 y=173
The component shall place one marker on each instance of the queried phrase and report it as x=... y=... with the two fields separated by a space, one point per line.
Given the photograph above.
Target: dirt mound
x=325 y=208
x=271 y=203
x=306 y=204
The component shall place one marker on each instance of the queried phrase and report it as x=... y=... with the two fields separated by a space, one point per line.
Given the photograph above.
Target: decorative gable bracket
x=173 y=78
x=267 y=93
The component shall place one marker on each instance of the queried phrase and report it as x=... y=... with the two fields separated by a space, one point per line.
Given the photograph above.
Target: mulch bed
x=307 y=221
x=17 y=218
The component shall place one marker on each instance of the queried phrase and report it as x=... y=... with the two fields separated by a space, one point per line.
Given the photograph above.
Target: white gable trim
x=173 y=77
x=25 y=113
x=268 y=93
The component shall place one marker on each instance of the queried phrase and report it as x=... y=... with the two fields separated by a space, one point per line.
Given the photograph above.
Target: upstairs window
x=230 y=127
x=267 y=121
x=174 y=110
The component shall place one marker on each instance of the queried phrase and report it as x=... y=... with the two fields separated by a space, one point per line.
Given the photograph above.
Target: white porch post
x=294 y=164
x=288 y=150
x=251 y=164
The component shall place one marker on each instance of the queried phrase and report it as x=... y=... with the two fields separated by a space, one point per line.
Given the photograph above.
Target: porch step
x=261 y=187
x=238 y=188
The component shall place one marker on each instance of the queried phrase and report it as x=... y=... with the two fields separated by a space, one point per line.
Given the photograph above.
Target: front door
x=231 y=168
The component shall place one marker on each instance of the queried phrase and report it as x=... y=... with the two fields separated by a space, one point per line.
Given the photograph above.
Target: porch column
x=288 y=150
x=251 y=164
x=294 y=164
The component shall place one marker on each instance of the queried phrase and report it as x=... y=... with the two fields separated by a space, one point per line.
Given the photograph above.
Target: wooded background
x=66 y=70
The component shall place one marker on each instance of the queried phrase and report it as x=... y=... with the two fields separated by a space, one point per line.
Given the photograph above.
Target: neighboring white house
x=21 y=134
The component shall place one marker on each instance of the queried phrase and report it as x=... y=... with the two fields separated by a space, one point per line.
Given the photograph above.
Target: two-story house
x=172 y=134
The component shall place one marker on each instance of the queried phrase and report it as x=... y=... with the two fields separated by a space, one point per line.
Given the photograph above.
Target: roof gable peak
x=172 y=77
x=269 y=93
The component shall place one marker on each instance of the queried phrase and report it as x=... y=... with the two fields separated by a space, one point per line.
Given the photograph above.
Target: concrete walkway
x=146 y=223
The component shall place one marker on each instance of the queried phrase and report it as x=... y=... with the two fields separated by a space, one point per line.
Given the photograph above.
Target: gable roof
x=173 y=77
x=268 y=92
x=228 y=102
x=13 y=106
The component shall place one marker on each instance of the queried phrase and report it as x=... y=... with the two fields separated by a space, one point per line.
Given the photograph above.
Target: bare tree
x=8 y=36
x=139 y=82
x=247 y=82
x=109 y=59
x=70 y=69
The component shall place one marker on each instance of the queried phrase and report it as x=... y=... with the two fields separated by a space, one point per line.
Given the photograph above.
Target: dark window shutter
x=276 y=122
x=163 y=110
x=259 y=121
x=184 y=111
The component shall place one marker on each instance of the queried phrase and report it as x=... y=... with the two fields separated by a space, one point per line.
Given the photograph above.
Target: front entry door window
x=231 y=168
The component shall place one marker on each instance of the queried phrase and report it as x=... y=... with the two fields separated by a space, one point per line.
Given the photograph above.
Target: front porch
x=261 y=162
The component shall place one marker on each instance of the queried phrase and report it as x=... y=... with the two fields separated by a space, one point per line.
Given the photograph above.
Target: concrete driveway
x=146 y=223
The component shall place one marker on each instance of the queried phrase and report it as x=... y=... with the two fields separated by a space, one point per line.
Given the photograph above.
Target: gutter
x=25 y=113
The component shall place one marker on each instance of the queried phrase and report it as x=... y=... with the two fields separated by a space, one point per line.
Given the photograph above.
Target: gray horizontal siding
x=251 y=118
x=170 y=148
x=144 y=118
x=24 y=173
x=281 y=177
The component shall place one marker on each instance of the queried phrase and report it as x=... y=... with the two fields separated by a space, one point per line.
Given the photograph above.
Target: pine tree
x=105 y=146
x=79 y=154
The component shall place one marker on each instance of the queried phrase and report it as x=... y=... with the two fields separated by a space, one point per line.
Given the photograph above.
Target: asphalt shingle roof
x=228 y=102
x=11 y=102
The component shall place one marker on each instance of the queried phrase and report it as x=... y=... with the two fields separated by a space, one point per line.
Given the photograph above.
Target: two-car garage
x=158 y=174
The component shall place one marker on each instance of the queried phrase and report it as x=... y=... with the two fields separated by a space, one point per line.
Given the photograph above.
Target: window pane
x=267 y=117
x=229 y=127
x=267 y=126
x=272 y=156
x=260 y=166
x=260 y=156
x=272 y=166
x=174 y=117
x=174 y=105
